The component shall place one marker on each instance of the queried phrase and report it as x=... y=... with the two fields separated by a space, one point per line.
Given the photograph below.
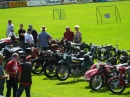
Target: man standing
x=34 y=34
x=68 y=35
x=21 y=33
x=24 y=77
x=44 y=38
x=11 y=69
x=29 y=41
x=2 y=77
x=10 y=28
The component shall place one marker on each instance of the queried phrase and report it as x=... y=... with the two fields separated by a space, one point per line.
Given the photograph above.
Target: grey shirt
x=43 y=39
x=1 y=73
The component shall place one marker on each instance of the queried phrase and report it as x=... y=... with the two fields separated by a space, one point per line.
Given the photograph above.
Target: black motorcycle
x=70 y=64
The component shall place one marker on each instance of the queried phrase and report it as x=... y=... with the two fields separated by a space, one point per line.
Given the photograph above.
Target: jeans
x=22 y=88
x=1 y=88
x=21 y=44
x=11 y=83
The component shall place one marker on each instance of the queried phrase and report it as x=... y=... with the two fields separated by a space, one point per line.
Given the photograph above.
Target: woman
x=78 y=35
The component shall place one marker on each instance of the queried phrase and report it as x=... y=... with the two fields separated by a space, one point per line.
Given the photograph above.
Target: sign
x=107 y=15
x=18 y=4
x=4 y=4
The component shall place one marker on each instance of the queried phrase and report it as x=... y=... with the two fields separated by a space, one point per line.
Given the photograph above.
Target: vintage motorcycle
x=71 y=64
x=117 y=84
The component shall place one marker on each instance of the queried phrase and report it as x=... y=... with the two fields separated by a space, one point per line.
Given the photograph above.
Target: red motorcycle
x=96 y=77
x=118 y=83
x=8 y=41
x=34 y=53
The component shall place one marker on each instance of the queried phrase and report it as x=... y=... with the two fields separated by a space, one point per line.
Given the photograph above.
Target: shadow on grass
x=70 y=82
x=103 y=89
x=54 y=78
x=125 y=94
x=37 y=74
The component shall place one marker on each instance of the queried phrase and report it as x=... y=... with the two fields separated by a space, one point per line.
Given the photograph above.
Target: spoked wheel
x=96 y=82
x=112 y=53
x=37 y=67
x=50 y=70
x=115 y=87
x=62 y=72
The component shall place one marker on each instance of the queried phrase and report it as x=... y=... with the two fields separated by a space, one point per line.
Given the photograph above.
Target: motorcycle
x=117 y=84
x=37 y=63
x=70 y=64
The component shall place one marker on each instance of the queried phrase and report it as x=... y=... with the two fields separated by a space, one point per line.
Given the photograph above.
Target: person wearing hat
x=2 y=76
x=44 y=38
x=29 y=41
x=11 y=69
x=78 y=35
x=34 y=34
x=10 y=28
x=68 y=34
x=24 y=76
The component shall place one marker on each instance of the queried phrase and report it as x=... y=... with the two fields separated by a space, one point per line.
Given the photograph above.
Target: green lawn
x=85 y=16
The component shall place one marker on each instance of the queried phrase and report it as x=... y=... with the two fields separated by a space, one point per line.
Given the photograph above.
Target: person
x=10 y=28
x=11 y=69
x=78 y=35
x=12 y=35
x=2 y=76
x=21 y=33
x=29 y=41
x=68 y=35
x=34 y=34
x=24 y=77
x=44 y=38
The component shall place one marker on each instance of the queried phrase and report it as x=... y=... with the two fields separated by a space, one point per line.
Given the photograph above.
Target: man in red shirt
x=24 y=77
x=68 y=35
x=11 y=69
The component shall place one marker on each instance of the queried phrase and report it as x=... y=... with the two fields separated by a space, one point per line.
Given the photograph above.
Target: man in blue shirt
x=44 y=38
x=2 y=77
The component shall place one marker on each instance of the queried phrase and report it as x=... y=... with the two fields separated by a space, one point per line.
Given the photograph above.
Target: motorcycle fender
x=61 y=61
x=95 y=72
x=112 y=78
x=28 y=57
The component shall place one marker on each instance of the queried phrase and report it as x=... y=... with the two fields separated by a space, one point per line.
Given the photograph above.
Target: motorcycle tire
x=62 y=72
x=37 y=67
x=50 y=70
x=94 y=80
x=112 y=86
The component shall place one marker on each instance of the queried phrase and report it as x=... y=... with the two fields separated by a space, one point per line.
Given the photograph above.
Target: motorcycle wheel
x=49 y=70
x=62 y=72
x=37 y=67
x=96 y=82
x=115 y=87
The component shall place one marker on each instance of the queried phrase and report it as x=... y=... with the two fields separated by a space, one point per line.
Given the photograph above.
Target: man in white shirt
x=29 y=38
x=10 y=28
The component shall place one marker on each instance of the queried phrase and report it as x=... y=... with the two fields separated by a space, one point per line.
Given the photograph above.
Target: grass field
x=85 y=16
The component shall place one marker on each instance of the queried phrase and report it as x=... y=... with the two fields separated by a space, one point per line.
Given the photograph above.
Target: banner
x=4 y=4
x=18 y=4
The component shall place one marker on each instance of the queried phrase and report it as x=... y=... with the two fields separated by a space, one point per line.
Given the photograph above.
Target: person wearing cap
x=2 y=76
x=24 y=77
x=34 y=34
x=78 y=35
x=68 y=34
x=44 y=38
x=29 y=41
x=10 y=28
x=11 y=69
x=21 y=33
